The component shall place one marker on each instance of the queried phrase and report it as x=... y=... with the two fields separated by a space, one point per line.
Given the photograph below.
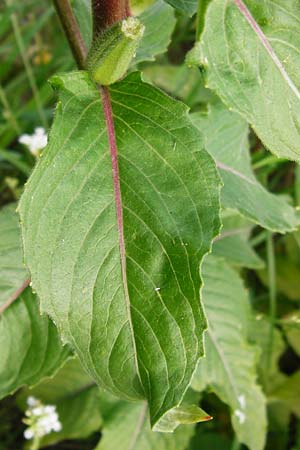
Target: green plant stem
x=272 y=298
x=267 y=161
x=72 y=31
x=11 y=117
x=200 y=20
x=35 y=443
x=27 y=65
x=259 y=239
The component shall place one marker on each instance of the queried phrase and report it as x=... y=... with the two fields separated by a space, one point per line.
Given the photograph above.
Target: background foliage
x=241 y=106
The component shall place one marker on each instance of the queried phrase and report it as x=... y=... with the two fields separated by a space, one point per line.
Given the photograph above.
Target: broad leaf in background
x=233 y=243
x=288 y=392
x=250 y=52
x=126 y=427
x=229 y=367
x=135 y=321
x=159 y=21
x=268 y=366
x=12 y=270
x=226 y=138
x=180 y=81
x=30 y=348
x=76 y=397
x=186 y=6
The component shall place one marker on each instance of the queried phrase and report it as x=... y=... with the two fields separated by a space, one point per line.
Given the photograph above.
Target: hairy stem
x=107 y=12
x=72 y=31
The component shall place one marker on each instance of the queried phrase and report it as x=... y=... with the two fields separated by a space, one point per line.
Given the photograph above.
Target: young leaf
x=30 y=348
x=159 y=21
x=118 y=267
x=250 y=51
x=76 y=397
x=126 y=426
x=233 y=245
x=226 y=138
x=12 y=270
x=229 y=366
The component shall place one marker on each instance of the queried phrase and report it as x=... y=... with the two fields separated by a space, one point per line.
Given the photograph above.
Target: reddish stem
x=72 y=31
x=108 y=114
x=107 y=12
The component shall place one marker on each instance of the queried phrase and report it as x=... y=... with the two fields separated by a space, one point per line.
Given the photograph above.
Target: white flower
x=28 y=433
x=240 y=415
x=36 y=141
x=32 y=401
x=242 y=401
x=41 y=419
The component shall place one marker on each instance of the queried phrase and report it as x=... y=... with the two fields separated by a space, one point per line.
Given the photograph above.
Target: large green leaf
x=229 y=366
x=132 y=314
x=12 y=270
x=30 y=348
x=126 y=427
x=186 y=6
x=233 y=243
x=226 y=138
x=76 y=397
x=250 y=51
x=159 y=21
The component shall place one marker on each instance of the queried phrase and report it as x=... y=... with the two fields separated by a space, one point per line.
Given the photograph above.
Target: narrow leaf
x=116 y=261
x=226 y=138
x=250 y=51
x=229 y=366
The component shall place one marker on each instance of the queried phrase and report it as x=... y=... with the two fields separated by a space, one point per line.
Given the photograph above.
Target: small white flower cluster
x=36 y=141
x=41 y=419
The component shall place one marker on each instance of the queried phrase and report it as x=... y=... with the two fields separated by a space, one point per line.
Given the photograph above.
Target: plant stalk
x=272 y=297
x=107 y=12
x=72 y=31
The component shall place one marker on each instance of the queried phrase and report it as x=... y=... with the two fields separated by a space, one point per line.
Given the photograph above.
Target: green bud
x=112 y=51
